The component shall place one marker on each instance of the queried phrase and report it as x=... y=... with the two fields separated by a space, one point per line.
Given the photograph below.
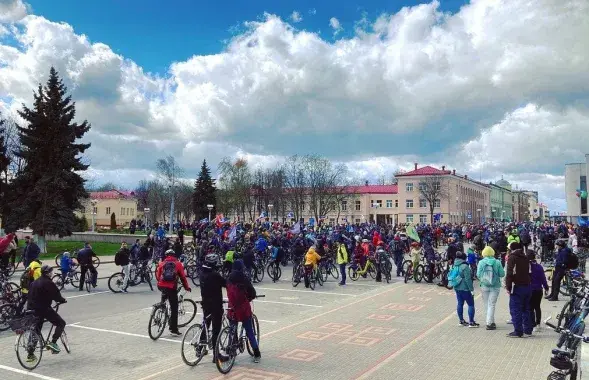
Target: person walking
x=517 y=285
x=342 y=259
x=489 y=272
x=460 y=278
x=538 y=282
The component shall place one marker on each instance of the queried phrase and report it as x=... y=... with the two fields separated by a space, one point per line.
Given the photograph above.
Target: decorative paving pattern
x=365 y=337
x=420 y=299
x=402 y=307
x=380 y=317
x=302 y=355
x=431 y=290
x=253 y=374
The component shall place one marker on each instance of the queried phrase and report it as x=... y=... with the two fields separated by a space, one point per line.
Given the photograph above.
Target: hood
x=459 y=261
x=518 y=252
x=488 y=260
x=311 y=250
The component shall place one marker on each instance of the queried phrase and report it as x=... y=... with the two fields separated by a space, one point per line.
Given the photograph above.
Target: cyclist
x=41 y=294
x=122 y=258
x=85 y=260
x=65 y=264
x=240 y=292
x=167 y=274
x=211 y=292
x=30 y=274
x=312 y=258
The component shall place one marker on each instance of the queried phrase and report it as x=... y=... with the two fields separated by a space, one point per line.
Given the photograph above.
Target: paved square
x=253 y=374
x=402 y=307
x=302 y=355
x=380 y=317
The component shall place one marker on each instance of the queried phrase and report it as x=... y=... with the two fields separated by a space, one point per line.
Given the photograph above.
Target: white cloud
x=335 y=25
x=296 y=17
x=275 y=91
x=12 y=10
x=312 y=11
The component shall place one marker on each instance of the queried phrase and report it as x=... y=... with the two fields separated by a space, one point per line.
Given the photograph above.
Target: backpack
x=573 y=261
x=488 y=275
x=169 y=273
x=454 y=277
x=118 y=258
x=26 y=278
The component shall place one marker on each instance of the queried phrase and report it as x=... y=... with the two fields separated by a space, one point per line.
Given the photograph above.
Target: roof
x=111 y=194
x=374 y=189
x=502 y=182
x=426 y=170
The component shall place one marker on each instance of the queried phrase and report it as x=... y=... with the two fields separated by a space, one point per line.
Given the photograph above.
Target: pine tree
x=113 y=221
x=49 y=188
x=204 y=193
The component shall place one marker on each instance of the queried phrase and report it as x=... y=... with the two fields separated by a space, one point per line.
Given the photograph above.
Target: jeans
x=249 y=331
x=490 y=296
x=342 y=269
x=535 y=309
x=557 y=277
x=84 y=269
x=463 y=296
x=126 y=270
x=519 y=308
x=399 y=263
x=172 y=296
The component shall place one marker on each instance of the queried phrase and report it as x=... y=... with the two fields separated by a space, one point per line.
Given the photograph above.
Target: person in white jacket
x=573 y=244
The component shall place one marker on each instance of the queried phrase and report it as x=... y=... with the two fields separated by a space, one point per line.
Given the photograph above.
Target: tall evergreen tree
x=204 y=193
x=49 y=188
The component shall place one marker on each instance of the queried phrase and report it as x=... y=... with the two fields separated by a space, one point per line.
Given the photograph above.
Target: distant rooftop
x=426 y=170
x=374 y=189
x=111 y=194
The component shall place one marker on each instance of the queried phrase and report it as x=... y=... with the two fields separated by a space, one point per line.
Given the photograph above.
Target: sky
x=491 y=88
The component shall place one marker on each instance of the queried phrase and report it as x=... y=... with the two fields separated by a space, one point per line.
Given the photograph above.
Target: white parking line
x=27 y=373
x=287 y=303
x=308 y=292
x=199 y=313
x=121 y=333
x=87 y=294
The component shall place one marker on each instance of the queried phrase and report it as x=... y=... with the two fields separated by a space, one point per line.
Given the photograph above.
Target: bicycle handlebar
x=567 y=332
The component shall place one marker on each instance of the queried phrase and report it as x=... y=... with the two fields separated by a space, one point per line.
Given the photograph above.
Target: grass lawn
x=55 y=247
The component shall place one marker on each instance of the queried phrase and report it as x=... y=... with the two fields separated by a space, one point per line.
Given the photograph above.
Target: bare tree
x=236 y=185
x=169 y=172
x=432 y=189
x=327 y=184
x=12 y=145
x=184 y=209
x=295 y=183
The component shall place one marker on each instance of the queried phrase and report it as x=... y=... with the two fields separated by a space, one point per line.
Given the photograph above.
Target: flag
x=220 y=220
x=412 y=233
x=296 y=229
x=290 y=215
x=205 y=220
x=233 y=233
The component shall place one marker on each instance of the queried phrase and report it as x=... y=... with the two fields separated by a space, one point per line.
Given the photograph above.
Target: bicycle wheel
x=75 y=279
x=96 y=261
x=312 y=281
x=323 y=273
x=296 y=279
x=563 y=316
x=256 y=326
x=419 y=273
x=7 y=312
x=405 y=265
x=58 y=281
x=192 y=350
x=372 y=271
x=353 y=273
x=259 y=273
x=88 y=282
x=225 y=349
x=408 y=273
x=186 y=312
x=277 y=273
x=565 y=286
x=65 y=342
x=157 y=320
x=115 y=282
x=58 y=258
x=29 y=349
x=334 y=272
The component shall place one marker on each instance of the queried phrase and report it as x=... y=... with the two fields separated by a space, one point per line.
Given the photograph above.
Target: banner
x=412 y=233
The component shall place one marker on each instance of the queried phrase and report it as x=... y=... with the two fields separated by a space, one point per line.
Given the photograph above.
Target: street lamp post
x=210 y=208
x=270 y=211
x=145 y=212
x=479 y=211
x=93 y=202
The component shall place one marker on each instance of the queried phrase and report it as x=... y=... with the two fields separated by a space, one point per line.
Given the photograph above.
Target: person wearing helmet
x=166 y=274
x=65 y=264
x=211 y=292
x=42 y=293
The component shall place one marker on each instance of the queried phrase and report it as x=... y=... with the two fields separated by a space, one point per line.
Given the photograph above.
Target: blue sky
x=155 y=33
x=490 y=88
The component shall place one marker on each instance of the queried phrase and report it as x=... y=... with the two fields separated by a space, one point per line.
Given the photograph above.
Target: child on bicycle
x=66 y=265
x=415 y=253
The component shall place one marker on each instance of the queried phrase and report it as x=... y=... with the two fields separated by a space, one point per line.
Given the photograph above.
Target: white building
x=575 y=177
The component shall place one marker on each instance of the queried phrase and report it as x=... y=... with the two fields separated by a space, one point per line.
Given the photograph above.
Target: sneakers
x=53 y=347
x=537 y=329
x=175 y=333
x=492 y=326
x=31 y=358
x=462 y=323
x=509 y=322
x=513 y=334
x=257 y=359
x=473 y=325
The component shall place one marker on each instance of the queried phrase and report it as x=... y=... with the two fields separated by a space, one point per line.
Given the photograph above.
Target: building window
x=331 y=220
x=409 y=218
x=133 y=211
x=122 y=211
x=422 y=218
x=379 y=203
x=421 y=186
x=396 y=203
x=344 y=205
x=409 y=203
x=437 y=203
x=357 y=220
x=108 y=211
x=128 y=213
x=95 y=210
x=422 y=203
x=389 y=203
x=357 y=205
x=437 y=186
x=409 y=187
x=583 y=201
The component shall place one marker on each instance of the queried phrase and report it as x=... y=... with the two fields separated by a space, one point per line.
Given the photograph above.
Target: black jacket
x=517 y=270
x=85 y=256
x=42 y=292
x=122 y=256
x=211 y=290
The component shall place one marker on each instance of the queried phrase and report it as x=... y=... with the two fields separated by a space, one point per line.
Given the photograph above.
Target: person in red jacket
x=376 y=238
x=167 y=274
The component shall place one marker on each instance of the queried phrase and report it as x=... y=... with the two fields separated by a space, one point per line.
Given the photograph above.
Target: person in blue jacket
x=560 y=267
x=65 y=264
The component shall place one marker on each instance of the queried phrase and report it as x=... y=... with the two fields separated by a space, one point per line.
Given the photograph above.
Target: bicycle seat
x=558 y=351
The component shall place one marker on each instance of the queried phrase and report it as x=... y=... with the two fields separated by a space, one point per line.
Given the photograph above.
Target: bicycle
x=193 y=342
x=416 y=274
x=160 y=314
x=274 y=270
x=566 y=361
x=12 y=267
x=73 y=278
x=327 y=267
x=30 y=339
x=137 y=275
x=74 y=257
x=232 y=344
x=369 y=268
